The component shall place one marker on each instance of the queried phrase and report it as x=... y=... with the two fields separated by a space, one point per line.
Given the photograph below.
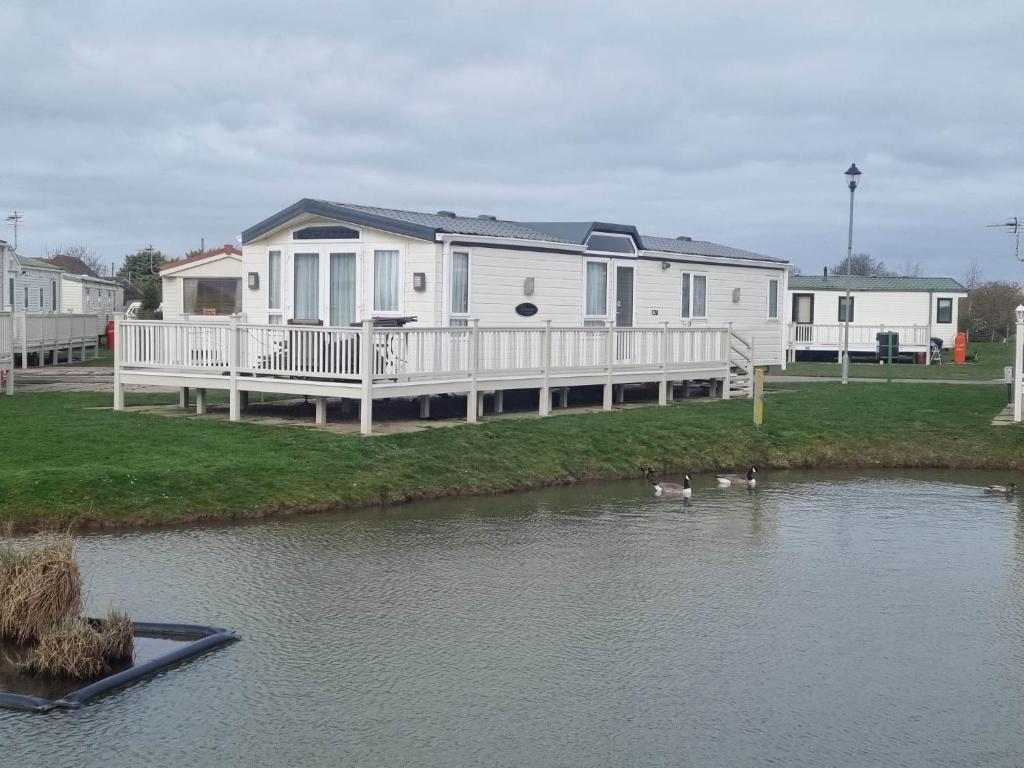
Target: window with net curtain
x=212 y=295
x=773 y=299
x=275 y=280
x=695 y=296
x=459 y=307
x=596 y=308
x=385 y=281
x=307 y=286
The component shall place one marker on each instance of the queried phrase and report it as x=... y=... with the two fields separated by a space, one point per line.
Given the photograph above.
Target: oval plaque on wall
x=526 y=309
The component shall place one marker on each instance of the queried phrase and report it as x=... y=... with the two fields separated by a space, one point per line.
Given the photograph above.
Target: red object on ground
x=110 y=334
x=960 y=348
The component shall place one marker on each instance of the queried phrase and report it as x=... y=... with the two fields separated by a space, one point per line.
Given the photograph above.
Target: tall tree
x=142 y=270
x=863 y=265
x=988 y=312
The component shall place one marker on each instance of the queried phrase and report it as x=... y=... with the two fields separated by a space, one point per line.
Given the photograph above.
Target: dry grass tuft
x=40 y=588
x=118 y=637
x=73 y=650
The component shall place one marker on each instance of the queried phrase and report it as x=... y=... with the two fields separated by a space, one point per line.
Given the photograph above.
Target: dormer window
x=326 y=233
x=608 y=242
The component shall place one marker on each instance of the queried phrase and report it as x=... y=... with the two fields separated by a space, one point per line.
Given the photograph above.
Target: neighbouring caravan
x=29 y=285
x=204 y=286
x=918 y=309
x=337 y=264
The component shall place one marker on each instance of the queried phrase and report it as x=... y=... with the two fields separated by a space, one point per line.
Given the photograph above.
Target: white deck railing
x=7 y=351
x=365 y=363
x=51 y=332
x=409 y=354
x=861 y=336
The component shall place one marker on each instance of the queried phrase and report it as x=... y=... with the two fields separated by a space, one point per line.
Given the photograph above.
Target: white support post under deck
x=321 y=410
x=366 y=374
x=118 y=352
x=201 y=401
x=663 y=393
x=610 y=351
x=472 y=397
x=234 y=398
x=545 y=389
x=726 y=384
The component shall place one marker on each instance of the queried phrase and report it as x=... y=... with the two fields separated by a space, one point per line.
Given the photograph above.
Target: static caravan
x=337 y=264
x=30 y=285
x=917 y=308
x=84 y=294
x=207 y=285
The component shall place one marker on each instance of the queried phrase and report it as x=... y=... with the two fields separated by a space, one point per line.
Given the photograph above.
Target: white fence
x=409 y=354
x=7 y=351
x=365 y=363
x=36 y=333
x=862 y=337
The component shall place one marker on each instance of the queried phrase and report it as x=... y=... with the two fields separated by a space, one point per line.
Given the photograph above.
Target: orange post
x=960 y=349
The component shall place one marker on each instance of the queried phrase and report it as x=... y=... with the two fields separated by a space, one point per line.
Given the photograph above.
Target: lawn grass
x=68 y=461
x=988 y=365
x=105 y=360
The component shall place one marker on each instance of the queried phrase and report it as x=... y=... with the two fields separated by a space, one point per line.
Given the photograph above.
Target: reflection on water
x=839 y=619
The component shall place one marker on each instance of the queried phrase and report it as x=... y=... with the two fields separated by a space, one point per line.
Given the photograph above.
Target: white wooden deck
x=368 y=364
x=7 y=351
x=42 y=333
x=863 y=338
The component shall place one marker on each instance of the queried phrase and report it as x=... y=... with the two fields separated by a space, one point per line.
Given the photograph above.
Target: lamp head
x=1020 y=313
x=853 y=175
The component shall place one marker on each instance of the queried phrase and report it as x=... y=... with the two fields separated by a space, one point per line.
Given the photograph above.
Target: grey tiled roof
x=860 y=283
x=702 y=248
x=459 y=225
x=426 y=226
x=28 y=261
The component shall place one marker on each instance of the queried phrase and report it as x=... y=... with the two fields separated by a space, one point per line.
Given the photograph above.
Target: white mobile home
x=339 y=264
x=207 y=285
x=917 y=308
x=30 y=285
x=449 y=304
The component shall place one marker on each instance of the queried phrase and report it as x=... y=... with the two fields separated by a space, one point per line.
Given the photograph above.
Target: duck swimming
x=668 y=489
x=748 y=480
x=1001 y=490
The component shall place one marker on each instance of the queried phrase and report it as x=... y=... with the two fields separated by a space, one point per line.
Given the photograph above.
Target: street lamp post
x=852 y=177
x=1018 y=364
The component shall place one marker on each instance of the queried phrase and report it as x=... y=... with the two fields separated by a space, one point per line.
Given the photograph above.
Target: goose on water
x=669 y=489
x=1001 y=490
x=748 y=479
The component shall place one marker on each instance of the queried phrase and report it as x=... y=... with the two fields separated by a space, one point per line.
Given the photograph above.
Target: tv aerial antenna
x=1014 y=226
x=13 y=220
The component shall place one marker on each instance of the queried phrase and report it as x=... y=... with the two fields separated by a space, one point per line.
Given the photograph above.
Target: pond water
x=843 y=619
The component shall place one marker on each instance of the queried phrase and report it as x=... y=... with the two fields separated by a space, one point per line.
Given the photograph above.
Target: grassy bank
x=988 y=362
x=68 y=459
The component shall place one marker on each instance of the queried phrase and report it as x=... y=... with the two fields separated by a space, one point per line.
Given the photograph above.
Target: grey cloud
x=129 y=123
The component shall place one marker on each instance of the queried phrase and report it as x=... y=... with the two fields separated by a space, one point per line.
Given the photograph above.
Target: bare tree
x=988 y=312
x=973 y=274
x=910 y=269
x=863 y=265
x=84 y=253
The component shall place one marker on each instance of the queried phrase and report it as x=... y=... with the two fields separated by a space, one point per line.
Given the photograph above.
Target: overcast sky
x=128 y=123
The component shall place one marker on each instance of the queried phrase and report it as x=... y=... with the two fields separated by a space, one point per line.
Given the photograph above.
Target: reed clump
x=40 y=607
x=40 y=587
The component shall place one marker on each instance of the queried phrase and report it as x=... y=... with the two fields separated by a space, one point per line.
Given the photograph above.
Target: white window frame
x=693 y=275
x=293 y=243
x=460 y=318
x=768 y=299
x=373 y=312
x=603 y=319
